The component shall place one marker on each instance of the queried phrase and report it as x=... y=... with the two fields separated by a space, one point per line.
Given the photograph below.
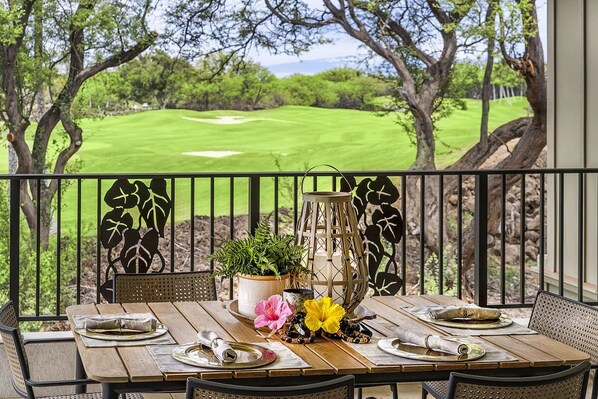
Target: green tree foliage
x=29 y=283
x=104 y=94
x=465 y=80
x=210 y=84
x=503 y=75
x=308 y=90
x=416 y=40
x=163 y=81
x=154 y=78
x=44 y=39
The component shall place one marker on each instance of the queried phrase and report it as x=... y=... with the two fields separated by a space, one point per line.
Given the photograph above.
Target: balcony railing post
x=254 y=203
x=15 y=215
x=481 y=240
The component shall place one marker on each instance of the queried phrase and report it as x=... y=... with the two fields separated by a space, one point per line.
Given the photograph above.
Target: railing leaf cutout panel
x=381 y=227
x=134 y=225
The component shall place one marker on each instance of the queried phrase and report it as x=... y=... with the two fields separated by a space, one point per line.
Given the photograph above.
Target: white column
x=573 y=133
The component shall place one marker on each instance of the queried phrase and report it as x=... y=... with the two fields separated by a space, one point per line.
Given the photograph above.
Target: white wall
x=573 y=131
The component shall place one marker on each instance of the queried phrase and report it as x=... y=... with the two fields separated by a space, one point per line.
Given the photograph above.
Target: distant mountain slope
x=310 y=67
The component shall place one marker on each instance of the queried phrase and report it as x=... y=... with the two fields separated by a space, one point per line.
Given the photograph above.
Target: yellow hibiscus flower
x=324 y=314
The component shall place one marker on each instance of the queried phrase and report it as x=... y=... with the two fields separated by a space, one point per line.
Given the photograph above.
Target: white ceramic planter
x=253 y=289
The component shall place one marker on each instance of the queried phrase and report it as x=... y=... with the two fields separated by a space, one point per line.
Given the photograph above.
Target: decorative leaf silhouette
x=107 y=290
x=122 y=194
x=372 y=248
x=386 y=222
x=114 y=224
x=390 y=221
x=381 y=191
x=360 y=201
x=386 y=284
x=137 y=253
x=155 y=204
x=348 y=183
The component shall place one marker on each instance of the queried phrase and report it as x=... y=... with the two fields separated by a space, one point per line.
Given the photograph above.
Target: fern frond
x=260 y=254
x=262 y=233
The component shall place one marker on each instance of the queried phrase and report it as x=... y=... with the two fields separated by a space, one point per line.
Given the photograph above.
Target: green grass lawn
x=155 y=141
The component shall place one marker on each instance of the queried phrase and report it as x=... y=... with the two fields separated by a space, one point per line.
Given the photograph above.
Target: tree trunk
x=35 y=193
x=532 y=134
x=524 y=156
x=532 y=142
x=487 y=79
x=38 y=54
x=424 y=160
x=426 y=146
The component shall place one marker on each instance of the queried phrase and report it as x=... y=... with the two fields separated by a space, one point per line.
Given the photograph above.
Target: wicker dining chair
x=338 y=388
x=164 y=287
x=14 y=345
x=568 y=384
x=562 y=319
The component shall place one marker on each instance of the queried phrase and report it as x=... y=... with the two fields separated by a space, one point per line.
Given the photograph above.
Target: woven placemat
x=513 y=329
x=79 y=322
x=374 y=354
x=285 y=359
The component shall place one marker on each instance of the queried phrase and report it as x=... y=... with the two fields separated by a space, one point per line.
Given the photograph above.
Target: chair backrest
x=164 y=287
x=15 y=350
x=570 y=384
x=567 y=321
x=338 y=388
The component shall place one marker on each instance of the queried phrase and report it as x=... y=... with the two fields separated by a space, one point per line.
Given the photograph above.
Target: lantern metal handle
x=327 y=165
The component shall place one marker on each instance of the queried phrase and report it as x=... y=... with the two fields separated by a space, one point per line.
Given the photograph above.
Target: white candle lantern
x=327 y=272
x=334 y=251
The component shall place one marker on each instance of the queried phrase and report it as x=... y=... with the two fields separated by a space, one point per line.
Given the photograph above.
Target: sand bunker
x=212 y=154
x=233 y=120
x=226 y=120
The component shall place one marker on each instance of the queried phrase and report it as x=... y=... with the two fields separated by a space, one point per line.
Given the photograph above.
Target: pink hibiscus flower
x=272 y=313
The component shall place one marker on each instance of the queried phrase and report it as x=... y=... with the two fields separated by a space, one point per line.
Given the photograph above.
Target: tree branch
x=368 y=40
x=274 y=9
x=511 y=61
x=16 y=121
x=114 y=60
x=477 y=155
x=404 y=35
x=439 y=14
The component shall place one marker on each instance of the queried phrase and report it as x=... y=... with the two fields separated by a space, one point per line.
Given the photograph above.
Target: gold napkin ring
x=426 y=340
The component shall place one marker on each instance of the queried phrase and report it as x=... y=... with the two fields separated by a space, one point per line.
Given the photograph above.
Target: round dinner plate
x=233 y=308
x=248 y=356
x=468 y=323
x=395 y=347
x=161 y=329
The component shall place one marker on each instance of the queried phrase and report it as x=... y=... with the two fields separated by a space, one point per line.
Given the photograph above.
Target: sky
x=342 y=51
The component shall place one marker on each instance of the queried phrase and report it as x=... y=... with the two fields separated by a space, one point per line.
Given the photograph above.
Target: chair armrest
x=57 y=337
x=58 y=383
x=48 y=340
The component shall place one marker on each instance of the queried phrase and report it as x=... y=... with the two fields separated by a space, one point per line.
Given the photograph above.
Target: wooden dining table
x=133 y=369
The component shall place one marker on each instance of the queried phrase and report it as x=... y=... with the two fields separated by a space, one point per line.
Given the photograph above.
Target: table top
x=326 y=357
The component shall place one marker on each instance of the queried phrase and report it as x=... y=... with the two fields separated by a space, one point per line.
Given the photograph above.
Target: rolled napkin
x=464 y=312
x=221 y=349
x=119 y=325
x=433 y=342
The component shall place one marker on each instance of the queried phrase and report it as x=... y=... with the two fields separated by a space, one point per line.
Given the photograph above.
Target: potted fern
x=263 y=263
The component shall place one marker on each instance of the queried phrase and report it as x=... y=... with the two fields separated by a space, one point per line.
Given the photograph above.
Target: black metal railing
x=45 y=273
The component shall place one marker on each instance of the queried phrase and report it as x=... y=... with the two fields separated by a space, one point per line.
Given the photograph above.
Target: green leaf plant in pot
x=263 y=263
